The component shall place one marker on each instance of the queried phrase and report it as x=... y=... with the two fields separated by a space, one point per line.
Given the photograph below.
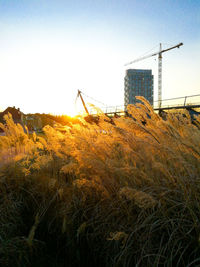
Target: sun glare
x=72 y=110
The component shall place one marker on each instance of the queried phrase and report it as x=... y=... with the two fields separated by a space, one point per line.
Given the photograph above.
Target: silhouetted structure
x=17 y=115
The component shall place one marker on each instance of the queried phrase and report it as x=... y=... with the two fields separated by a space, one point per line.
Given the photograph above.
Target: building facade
x=138 y=82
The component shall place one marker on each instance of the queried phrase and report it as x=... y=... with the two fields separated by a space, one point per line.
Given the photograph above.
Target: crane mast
x=160 y=77
x=159 y=53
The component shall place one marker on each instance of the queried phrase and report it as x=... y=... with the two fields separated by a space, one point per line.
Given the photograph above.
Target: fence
x=178 y=102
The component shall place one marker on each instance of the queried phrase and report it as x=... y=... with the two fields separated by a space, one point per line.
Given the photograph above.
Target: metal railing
x=177 y=102
x=184 y=101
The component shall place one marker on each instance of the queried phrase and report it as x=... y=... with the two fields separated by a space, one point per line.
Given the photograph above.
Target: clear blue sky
x=49 y=49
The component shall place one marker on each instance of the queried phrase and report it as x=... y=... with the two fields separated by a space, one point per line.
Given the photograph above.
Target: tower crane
x=159 y=53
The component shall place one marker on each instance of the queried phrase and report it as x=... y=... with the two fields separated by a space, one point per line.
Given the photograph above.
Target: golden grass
x=121 y=194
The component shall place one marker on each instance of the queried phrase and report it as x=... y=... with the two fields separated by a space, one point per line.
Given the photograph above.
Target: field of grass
x=125 y=193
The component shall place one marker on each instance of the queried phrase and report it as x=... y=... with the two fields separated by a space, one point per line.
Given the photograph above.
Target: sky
x=50 y=49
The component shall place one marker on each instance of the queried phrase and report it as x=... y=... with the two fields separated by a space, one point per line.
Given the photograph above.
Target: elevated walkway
x=186 y=102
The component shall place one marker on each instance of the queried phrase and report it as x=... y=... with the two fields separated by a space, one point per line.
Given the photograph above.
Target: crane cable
x=91 y=98
x=148 y=51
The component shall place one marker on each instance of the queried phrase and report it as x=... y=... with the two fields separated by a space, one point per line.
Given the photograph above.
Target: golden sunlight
x=72 y=109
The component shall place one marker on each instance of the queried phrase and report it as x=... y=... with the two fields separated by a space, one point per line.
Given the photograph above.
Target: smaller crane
x=83 y=102
x=159 y=53
x=90 y=118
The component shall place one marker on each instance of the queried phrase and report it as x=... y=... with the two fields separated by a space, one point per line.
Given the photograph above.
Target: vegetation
x=125 y=193
x=38 y=121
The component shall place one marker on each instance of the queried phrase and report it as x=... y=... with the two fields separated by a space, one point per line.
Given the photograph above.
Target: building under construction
x=138 y=82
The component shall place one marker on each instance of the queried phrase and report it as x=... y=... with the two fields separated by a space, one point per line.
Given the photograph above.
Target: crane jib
x=176 y=46
x=159 y=53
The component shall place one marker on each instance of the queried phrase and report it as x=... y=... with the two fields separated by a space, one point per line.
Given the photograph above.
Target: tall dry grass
x=125 y=193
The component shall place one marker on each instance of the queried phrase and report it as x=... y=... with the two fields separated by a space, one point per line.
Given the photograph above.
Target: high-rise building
x=138 y=83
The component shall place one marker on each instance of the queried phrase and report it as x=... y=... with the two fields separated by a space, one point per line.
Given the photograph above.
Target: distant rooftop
x=136 y=71
x=15 y=112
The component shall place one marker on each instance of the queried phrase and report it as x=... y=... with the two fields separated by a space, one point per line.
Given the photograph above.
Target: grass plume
x=125 y=193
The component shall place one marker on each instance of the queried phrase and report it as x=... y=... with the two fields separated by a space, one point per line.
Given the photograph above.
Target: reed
x=125 y=193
